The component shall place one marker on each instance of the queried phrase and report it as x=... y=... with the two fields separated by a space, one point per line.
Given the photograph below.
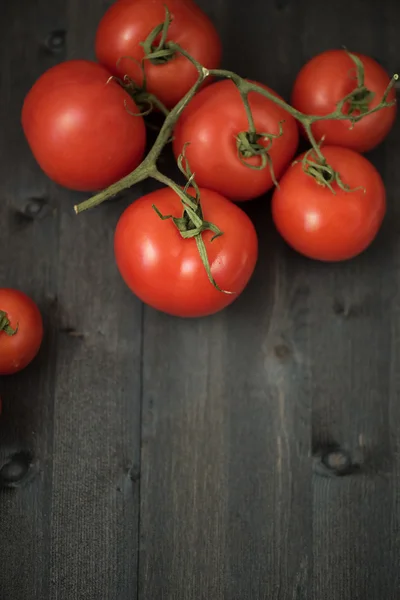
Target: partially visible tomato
x=19 y=314
x=165 y=271
x=129 y=22
x=211 y=124
x=80 y=126
x=328 y=78
x=327 y=226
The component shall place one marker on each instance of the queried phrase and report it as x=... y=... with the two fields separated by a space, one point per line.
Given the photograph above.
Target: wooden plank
x=226 y=500
x=28 y=247
x=355 y=525
x=77 y=409
x=97 y=405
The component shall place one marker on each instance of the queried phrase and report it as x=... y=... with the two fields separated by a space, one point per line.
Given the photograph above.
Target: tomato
x=80 y=126
x=129 y=22
x=20 y=314
x=328 y=78
x=165 y=271
x=211 y=124
x=327 y=226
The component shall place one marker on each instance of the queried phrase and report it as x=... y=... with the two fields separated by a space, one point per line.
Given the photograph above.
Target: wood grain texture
x=72 y=532
x=183 y=459
x=355 y=524
x=226 y=465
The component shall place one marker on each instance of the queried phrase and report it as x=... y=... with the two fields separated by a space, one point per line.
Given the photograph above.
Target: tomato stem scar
x=192 y=223
x=5 y=325
x=161 y=53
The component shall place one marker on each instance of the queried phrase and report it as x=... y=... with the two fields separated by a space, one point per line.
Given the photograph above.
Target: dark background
x=184 y=460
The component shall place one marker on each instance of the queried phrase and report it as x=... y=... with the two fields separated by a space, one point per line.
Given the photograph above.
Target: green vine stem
x=192 y=224
x=5 y=325
x=353 y=115
x=145 y=101
x=162 y=52
x=148 y=167
x=323 y=173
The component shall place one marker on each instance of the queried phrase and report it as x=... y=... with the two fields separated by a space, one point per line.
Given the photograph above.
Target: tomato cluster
x=84 y=122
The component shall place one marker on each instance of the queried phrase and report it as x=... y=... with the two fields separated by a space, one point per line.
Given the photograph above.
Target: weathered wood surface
x=184 y=459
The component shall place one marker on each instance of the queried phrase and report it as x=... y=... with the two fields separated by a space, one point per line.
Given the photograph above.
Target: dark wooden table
x=190 y=460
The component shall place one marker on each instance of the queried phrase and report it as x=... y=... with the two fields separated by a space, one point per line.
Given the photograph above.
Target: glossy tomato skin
x=79 y=129
x=328 y=78
x=166 y=272
x=211 y=123
x=129 y=22
x=17 y=351
x=327 y=226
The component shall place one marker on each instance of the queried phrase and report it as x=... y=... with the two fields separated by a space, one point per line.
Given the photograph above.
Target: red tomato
x=129 y=22
x=165 y=271
x=328 y=78
x=22 y=314
x=79 y=129
x=211 y=123
x=327 y=226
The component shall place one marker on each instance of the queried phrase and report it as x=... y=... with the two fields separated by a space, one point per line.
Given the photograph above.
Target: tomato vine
x=353 y=107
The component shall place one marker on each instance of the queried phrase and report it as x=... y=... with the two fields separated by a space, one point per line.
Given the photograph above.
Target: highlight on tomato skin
x=166 y=272
x=330 y=226
x=210 y=125
x=21 y=333
x=127 y=24
x=328 y=78
x=81 y=128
